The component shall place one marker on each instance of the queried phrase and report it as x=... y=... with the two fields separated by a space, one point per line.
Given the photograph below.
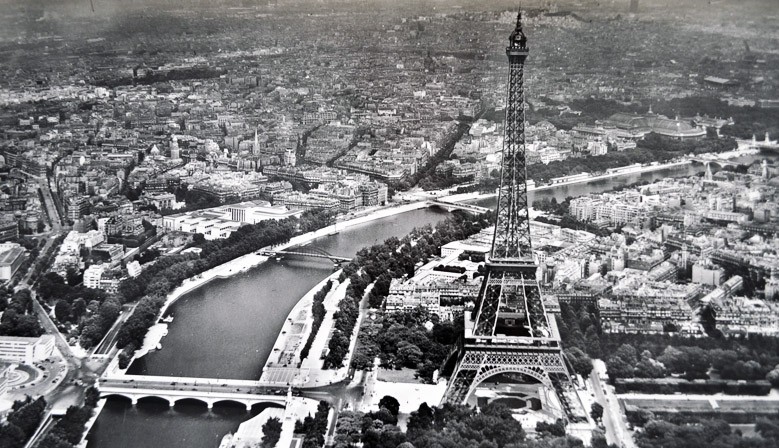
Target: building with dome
x=642 y=124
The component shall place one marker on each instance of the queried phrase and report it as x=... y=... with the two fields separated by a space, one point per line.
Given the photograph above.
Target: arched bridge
x=719 y=163
x=459 y=206
x=207 y=391
x=313 y=252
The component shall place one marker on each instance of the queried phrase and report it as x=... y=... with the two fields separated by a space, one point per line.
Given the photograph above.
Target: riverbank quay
x=88 y=425
x=638 y=170
x=619 y=173
x=281 y=366
x=383 y=212
x=313 y=364
x=249 y=433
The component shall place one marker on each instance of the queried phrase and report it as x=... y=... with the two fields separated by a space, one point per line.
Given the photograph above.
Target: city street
x=51 y=208
x=105 y=346
x=613 y=420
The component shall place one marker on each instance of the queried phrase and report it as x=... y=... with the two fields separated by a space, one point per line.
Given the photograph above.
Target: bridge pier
x=210 y=405
x=134 y=400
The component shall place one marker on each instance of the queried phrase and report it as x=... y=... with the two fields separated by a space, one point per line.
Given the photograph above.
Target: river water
x=227 y=328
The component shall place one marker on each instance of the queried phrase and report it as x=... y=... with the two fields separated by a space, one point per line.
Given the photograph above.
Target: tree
x=348 y=429
x=768 y=429
x=93 y=307
x=671 y=359
x=391 y=403
x=91 y=397
x=773 y=376
x=108 y=312
x=556 y=429
x=640 y=418
x=271 y=432
x=596 y=411
x=78 y=309
x=28 y=416
x=708 y=319
x=11 y=436
x=62 y=310
x=695 y=363
x=627 y=353
x=409 y=354
x=73 y=276
x=598 y=439
x=582 y=364
x=51 y=285
x=420 y=420
x=385 y=416
x=721 y=359
x=619 y=368
x=592 y=342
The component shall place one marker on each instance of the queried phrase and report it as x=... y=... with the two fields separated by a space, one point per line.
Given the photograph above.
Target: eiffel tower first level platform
x=508 y=331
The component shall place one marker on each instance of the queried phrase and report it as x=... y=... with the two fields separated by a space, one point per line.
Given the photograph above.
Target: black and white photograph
x=389 y=223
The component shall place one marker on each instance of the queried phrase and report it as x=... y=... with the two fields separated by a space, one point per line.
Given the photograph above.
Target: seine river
x=227 y=328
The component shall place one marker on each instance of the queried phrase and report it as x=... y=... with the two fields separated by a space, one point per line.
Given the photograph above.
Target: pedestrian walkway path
x=313 y=363
x=282 y=364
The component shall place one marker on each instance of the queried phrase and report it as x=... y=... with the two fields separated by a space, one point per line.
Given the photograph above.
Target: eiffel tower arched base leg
x=477 y=365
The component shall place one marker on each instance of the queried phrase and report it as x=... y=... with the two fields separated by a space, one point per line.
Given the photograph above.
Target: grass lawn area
x=688 y=405
x=404 y=375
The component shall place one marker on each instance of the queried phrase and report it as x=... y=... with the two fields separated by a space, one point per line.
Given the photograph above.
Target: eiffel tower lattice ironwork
x=509 y=329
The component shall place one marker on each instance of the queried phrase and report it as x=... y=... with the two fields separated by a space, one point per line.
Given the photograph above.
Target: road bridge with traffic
x=206 y=390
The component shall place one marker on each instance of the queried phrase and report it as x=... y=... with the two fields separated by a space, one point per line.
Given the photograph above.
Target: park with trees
x=661 y=356
x=402 y=340
x=21 y=422
x=493 y=425
x=379 y=264
x=652 y=148
x=26 y=415
x=82 y=313
x=68 y=432
x=18 y=316
x=313 y=428
x=446 y=426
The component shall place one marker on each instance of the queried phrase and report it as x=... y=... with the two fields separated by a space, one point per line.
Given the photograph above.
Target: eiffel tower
x=508 y=330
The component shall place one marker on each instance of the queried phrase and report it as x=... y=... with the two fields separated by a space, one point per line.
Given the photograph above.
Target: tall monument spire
x=508 y=330
x=512 y=228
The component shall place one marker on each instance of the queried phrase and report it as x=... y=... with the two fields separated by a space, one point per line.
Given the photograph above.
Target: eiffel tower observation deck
x=509 y=333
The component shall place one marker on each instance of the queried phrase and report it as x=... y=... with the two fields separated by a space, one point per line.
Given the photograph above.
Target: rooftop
x=9 y=256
